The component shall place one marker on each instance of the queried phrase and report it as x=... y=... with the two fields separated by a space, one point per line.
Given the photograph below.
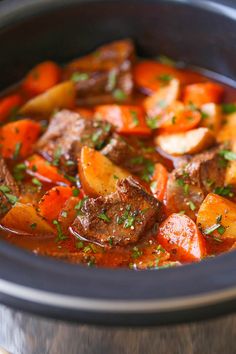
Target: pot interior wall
x=194 y=35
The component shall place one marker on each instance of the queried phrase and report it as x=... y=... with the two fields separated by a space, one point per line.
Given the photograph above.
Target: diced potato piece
x=218 y=210
x=190 y=142
x=59 y=96
x=24 y=218
x=98 y=174
x=228 y=130
x=163 y=98
x=212 y=116
x=230 y=176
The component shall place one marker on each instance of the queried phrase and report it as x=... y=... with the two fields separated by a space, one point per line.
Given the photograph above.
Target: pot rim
x=59 y=285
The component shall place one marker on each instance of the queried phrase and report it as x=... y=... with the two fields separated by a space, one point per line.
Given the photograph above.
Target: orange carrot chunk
x=201 y=93
x=8 y=106
x=179 y=235
x=159 y=181
x=128 y=120
x=17 y=138
x=38 y=167
x=184 y=120
x=150 y=75
x=53 y=201
x=42 y=77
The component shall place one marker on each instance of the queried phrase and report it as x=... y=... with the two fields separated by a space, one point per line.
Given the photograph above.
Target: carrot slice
x=150 y=75
x=17 y=138
x=201 y=93
x=179 y=121
x=128 y=120
x=42 y=77
x=8 y=105
x=179 y=235
x=159 y=181
x=38 y=167
x=70 y=210
x=53 y=201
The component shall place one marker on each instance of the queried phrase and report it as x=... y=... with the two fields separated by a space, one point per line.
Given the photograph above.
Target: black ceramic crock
x=202 y=33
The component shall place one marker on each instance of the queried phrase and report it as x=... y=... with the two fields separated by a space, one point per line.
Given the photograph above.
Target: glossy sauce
x=134 y=256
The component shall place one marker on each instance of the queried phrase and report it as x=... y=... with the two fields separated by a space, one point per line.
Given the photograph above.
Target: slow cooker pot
x=202 y=33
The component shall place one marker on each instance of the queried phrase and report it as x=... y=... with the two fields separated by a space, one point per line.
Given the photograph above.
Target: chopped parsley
x=79 y=245
x=216 y=227
x=80 y=204
x=76 y=76
x=103 y=216
x=17 y=151
x=57 y=156
x=64 y=214
x=111 y=82
x=75 y=192
x=18 y=171
x=165 y=78
x=60 y=234
x=192 y=206
x=12 y=199
x=228 y=108
x=36 y=182
x=228 y=155
x=225 y=191
x=152 y=122
x=33 y=226
x=135 y=119
x=70 y=163
x=136 y=252
x=128 y=218
x=153 y=186
x=160 y=248
x=119 y=95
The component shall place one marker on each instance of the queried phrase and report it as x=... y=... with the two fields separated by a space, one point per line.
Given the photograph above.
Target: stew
x=116 y=161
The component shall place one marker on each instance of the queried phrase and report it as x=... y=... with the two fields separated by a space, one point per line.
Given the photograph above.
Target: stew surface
x=117 y=161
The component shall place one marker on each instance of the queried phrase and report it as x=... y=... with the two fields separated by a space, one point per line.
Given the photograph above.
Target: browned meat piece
x=8 y=189
x=100 y=73
x=65 y=136
x=188 y=185
x=123 y=152
x=120 y=218
x=119 y=151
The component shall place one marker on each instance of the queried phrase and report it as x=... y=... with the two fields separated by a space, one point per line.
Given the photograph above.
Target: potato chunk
x=211 y=117
x=59 y=96
x=190 y=142
x=98 y=174
x=230 y=177
x=219 y=215
x=163 y=98
x=228 y=130
x=24 y=219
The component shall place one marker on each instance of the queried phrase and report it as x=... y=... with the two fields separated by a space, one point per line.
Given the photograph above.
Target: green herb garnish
x=60 y=234
x=119 y=95
x=228 y=155
x=103 y=216
x=17 y=150
x=228 y=108
x=76 y=76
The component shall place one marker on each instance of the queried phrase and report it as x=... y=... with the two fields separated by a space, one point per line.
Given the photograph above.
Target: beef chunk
x=123 y=152
x=99 y=74
x=189 y=184
x=65 y=136
x=8 y=189
x=120 y=218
